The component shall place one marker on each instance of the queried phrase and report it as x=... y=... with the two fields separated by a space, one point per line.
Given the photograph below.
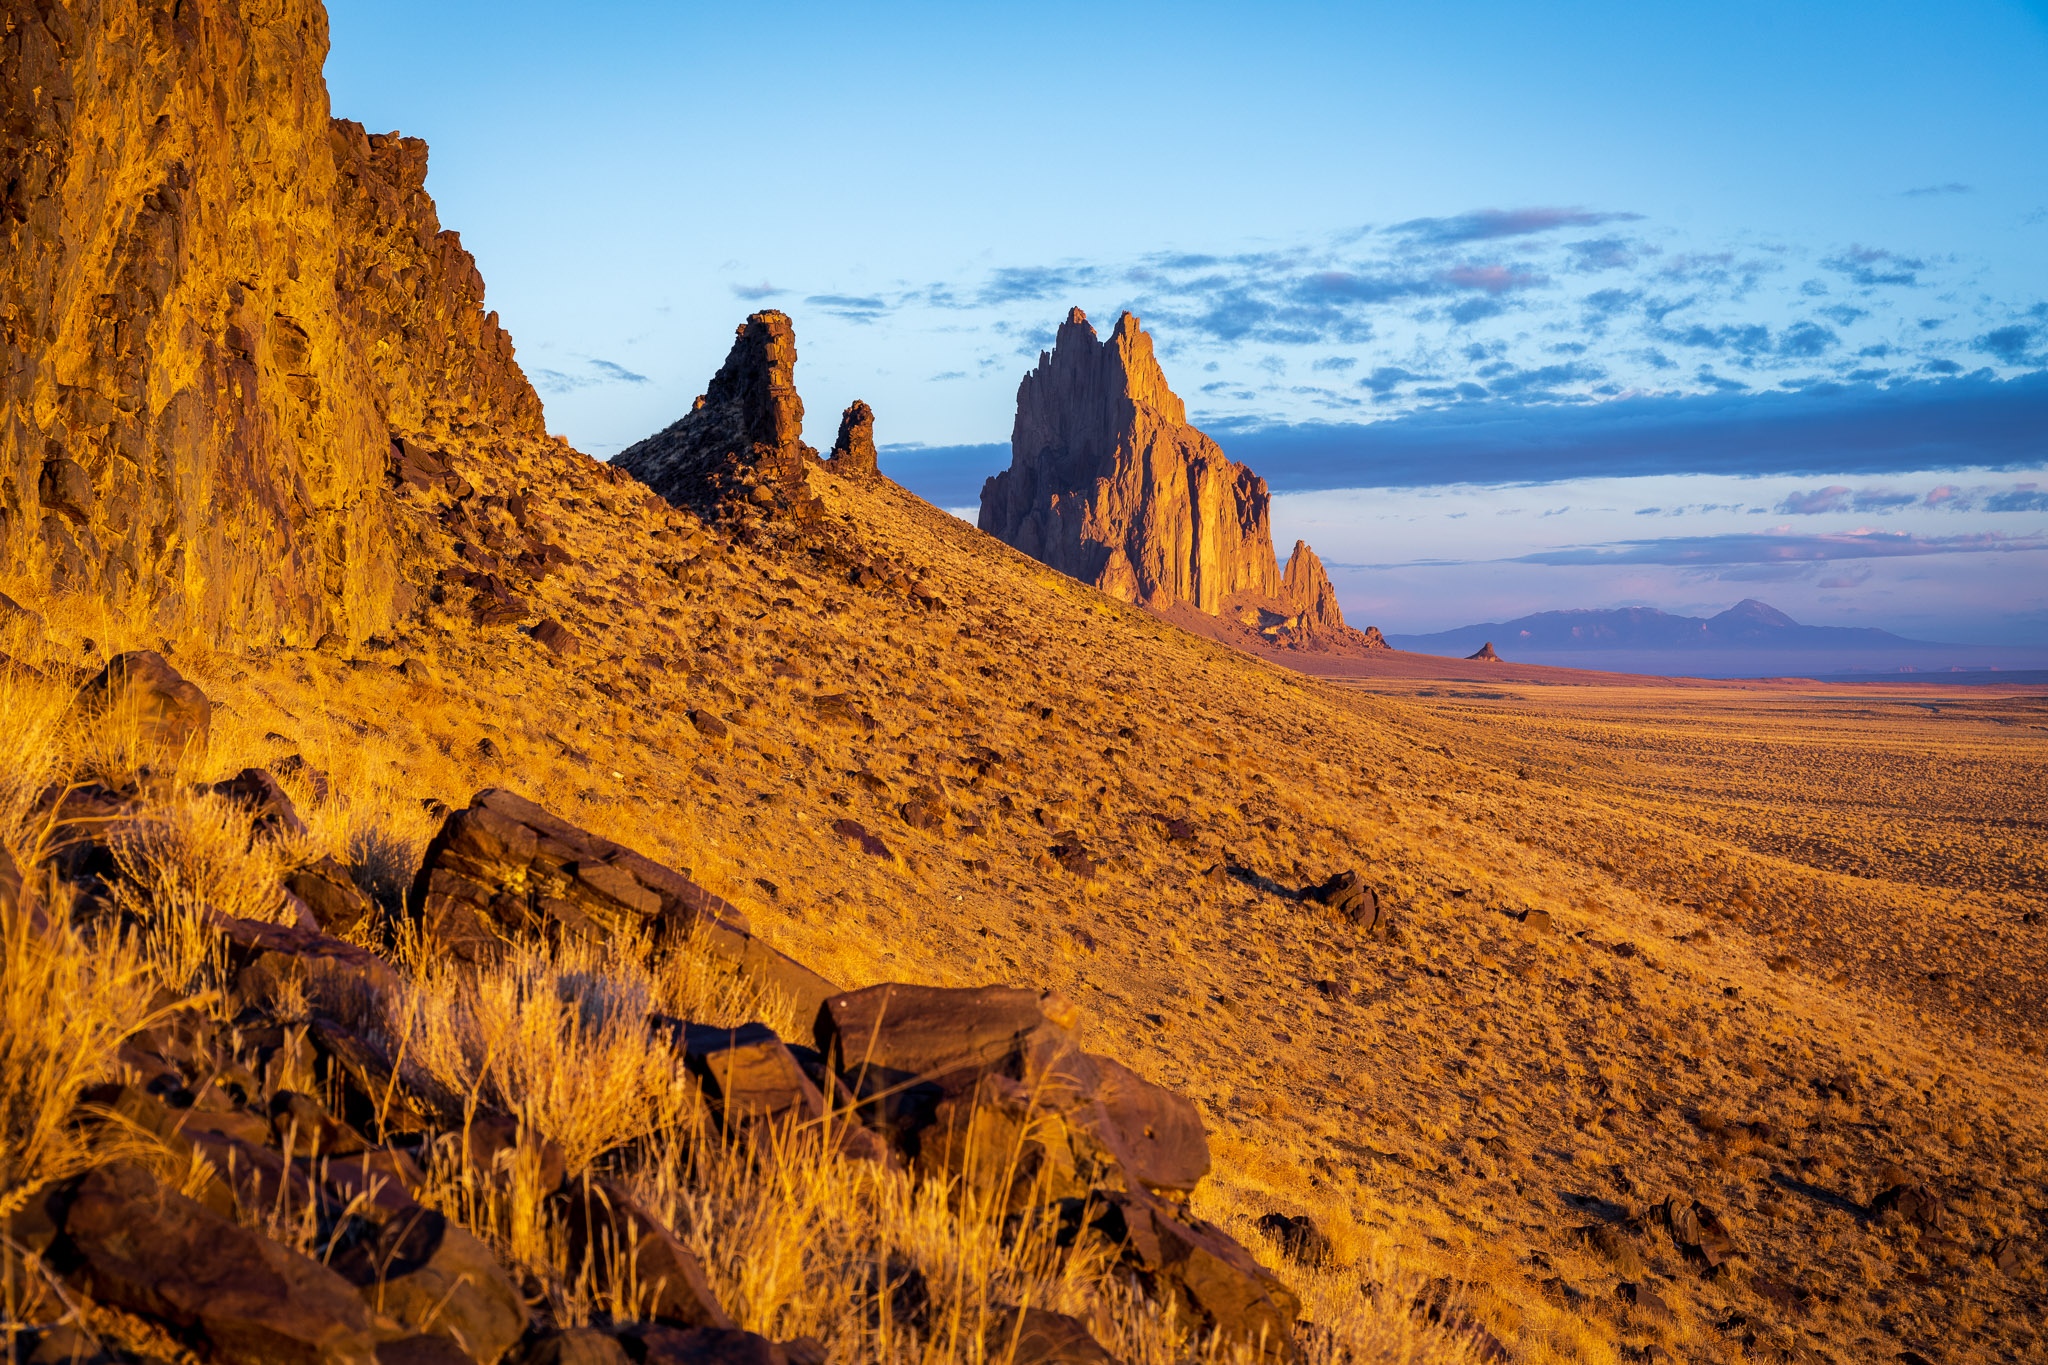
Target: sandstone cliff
x=741 y=442
x=217 y=307
x=1109 y=483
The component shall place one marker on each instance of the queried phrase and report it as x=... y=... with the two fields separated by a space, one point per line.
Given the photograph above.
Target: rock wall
x=216 y=308
x=1109 y=483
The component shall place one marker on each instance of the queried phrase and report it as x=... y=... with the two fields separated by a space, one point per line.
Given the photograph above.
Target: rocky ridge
x=1109 y=483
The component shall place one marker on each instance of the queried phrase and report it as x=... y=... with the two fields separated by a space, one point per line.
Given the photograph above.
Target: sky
x=1517 y=307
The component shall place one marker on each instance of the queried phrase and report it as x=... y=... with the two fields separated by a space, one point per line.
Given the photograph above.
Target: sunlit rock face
x=1109 y=483
x=218 y=308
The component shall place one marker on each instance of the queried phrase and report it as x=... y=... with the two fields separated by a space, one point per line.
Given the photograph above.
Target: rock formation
x=853 y=452
x=217 y=308
x=1109 y=483
x=741 y=443
x=1485 y=654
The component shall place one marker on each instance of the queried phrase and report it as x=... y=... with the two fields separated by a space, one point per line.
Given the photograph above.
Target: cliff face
x=743 y=434
x=217 y=307
x=1109 y=483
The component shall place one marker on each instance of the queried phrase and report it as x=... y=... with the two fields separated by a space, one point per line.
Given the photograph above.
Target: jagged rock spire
x=853 y=452
x=744 y=432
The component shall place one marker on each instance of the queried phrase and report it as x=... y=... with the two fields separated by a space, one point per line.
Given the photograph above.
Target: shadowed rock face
x=219 y=307
x=1109 y=483
x=744 y=432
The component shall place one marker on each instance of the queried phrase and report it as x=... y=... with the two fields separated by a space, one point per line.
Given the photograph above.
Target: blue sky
x=1442 y=273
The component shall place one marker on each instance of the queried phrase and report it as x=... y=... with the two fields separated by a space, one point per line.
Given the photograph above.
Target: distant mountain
x=1748 y=625
x=1750 y=639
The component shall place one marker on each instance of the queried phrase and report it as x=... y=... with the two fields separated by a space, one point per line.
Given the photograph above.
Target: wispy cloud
x=1483 y=225
x=1930 y=191
x=1783 y=547
x=754 y=293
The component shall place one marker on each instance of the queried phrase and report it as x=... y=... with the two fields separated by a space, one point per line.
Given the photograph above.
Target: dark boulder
x=1200 y=1271
x=329 y=891
x=171 y=716
x=434 y=1278
x=135 y=1245
x=271 y=811
x=608 y=1234
x=503 y=868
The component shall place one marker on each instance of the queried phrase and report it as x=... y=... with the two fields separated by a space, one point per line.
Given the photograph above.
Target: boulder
x=853 y=450
x=434 y=1278
x=1200 y=1272
x=1298 y=1236
x=1913 y=1202
x=1698 y=1231
x=329 y=891
x=558 y=638
x=271 y=811
x=171 y=716
x=576 y=1346
x=916 y=1055
x=659 y=1344
x=135 y=1245
x=626 y=1251
x=504 y=868
x=747 y=1072
x=1036 y=1336
x=340 y=978
x=1346 y=896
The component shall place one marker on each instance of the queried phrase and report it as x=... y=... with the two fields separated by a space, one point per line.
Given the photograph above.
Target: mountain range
x=1748 y=638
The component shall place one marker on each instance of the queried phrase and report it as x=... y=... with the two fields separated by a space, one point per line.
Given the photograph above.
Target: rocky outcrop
x=1485 y=654
x=853 y=453
x=741 y=443
x=1109 y=483
x=217 y=307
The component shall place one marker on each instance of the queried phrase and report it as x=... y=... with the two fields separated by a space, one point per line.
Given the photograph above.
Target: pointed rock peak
x=743 y=435
x=1127 y=325
x=853 y=451
x=1075 y=315
x=1485 y=654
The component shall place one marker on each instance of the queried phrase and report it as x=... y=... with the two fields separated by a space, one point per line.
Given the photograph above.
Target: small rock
x=271 y=811
x=1643 y=1299
x=856 y=832
x=1535 y=921
x=1298 y=1237
x=558 y=638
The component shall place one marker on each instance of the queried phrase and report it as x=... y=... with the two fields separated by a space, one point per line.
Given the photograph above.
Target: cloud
x=1781 y=547
x=1487 y=224
x=1946 y=495
x=1602 y=253
x=1494 y=279
x=618 y=373
x=754 y=293
x=1874 y=265
x=1816 y=502
x=595 y=373
x=2010 y=344
x=852 y=307
x=2024 y=497
x=1806 y=339
x=1335 y=362
x=947 y=374
x=1011 y=284
x=1927 y=191
x=1908 y=426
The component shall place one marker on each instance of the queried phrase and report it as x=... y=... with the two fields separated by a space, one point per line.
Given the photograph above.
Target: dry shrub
x=188 y=860
x=557 y=1039
x=66 y=1007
